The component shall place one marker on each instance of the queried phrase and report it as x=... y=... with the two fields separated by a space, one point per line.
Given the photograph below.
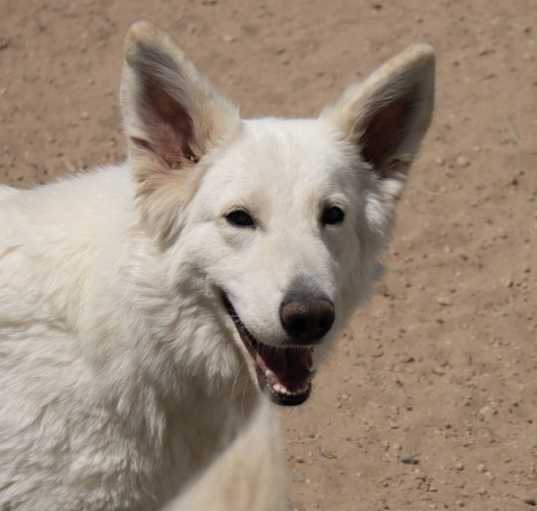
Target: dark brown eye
x=240 y=218
x=332 y=216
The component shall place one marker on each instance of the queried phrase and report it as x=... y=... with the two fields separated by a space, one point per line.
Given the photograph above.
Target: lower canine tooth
x=300 y=390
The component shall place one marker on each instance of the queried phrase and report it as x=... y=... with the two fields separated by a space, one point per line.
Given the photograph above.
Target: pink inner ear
x=167 y=121
x=168 y=124
x=385 y=132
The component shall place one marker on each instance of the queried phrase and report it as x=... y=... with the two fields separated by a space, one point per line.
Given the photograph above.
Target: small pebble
x=462 y=162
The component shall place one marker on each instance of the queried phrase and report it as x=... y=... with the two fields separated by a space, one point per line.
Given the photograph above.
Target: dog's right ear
x=172 y=118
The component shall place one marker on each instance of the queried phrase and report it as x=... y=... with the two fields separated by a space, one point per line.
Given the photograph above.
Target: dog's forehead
x=278 y=156
x=292 y=147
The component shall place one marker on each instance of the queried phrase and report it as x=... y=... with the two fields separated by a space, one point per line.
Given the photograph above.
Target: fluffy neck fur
x=149 y=372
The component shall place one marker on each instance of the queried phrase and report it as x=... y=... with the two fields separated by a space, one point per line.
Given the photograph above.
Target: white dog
x=143 y=306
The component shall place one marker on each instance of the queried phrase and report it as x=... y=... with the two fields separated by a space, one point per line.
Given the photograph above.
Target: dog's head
x=283 y=218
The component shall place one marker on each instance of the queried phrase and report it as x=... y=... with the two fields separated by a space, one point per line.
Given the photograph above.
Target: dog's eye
x=240 y=218
x=332 y=216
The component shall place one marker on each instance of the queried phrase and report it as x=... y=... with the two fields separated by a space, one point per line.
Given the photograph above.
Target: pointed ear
x=172 y=118
x=387 y=115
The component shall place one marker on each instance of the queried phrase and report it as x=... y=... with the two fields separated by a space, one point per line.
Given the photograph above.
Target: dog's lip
x=286 y=372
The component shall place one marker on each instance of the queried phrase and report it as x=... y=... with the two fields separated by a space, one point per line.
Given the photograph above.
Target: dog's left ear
x=173 y=117
x=387 y=115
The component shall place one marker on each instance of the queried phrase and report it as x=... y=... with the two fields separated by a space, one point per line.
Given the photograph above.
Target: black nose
x=306 y=319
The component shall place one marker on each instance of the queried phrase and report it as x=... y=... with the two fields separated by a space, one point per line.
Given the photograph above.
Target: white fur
x=249 y=476
x=121 y=375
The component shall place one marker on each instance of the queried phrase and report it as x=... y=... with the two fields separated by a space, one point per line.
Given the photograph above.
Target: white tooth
x=300 y=390
x=278 y=387
x=271 y=377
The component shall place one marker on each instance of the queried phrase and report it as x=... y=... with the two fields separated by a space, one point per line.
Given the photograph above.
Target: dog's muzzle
x=286 y=371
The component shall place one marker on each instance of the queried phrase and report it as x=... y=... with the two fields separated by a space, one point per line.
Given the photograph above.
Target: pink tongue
x=291 y=366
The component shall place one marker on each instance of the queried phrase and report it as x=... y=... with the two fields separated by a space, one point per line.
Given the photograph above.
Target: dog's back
x=249 y=476
x=6 y=191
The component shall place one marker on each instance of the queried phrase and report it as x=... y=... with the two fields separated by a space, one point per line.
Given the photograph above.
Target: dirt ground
x=430 y=398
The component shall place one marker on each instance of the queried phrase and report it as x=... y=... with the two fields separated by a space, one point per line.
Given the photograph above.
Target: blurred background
x=430 y=398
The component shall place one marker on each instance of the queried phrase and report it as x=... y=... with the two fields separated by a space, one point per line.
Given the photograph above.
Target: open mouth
x=285 y=372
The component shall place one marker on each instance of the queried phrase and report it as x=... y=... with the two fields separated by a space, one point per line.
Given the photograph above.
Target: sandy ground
x=430 y=398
